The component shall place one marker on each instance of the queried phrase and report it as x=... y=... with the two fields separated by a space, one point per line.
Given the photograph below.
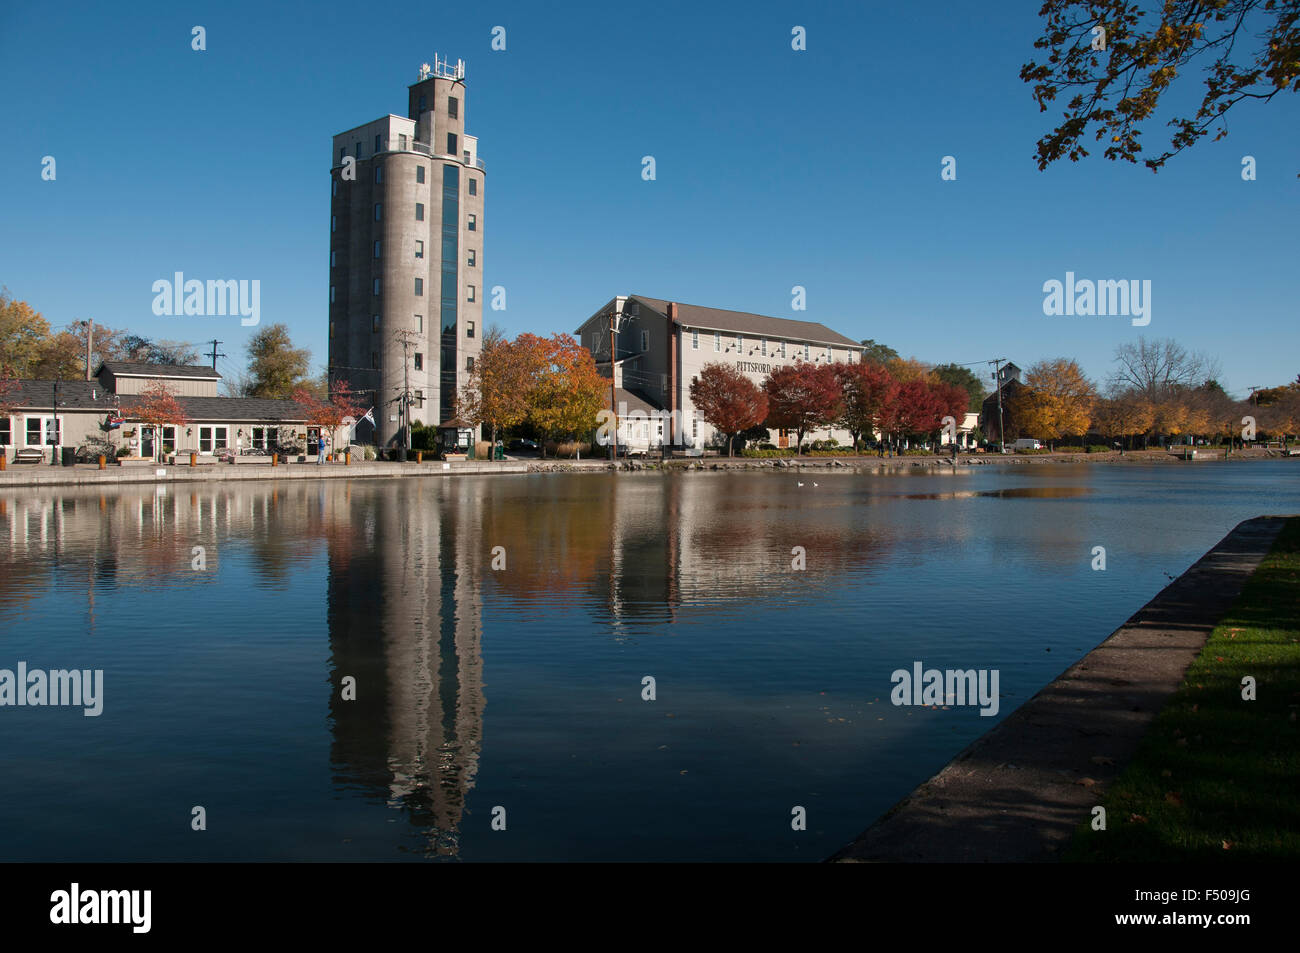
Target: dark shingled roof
x=134 y=369
x=696 y=316
x=73 y=395
x=232 y=409
x=92 y=395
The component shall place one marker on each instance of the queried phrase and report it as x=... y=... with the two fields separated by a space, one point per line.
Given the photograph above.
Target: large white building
x=662 y=346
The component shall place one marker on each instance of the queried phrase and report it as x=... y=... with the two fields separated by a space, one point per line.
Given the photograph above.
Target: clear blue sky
x=775 y=168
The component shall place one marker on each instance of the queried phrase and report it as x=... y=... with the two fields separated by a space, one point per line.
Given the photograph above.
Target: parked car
x=522 y=444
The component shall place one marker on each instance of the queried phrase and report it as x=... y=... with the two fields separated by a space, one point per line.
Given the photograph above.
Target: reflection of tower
x=404 y=616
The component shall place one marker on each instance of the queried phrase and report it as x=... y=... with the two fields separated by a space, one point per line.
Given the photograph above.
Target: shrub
x=368 y=452
x=1099 y=448
x=569 y=448
x=123 y=451
x=770 y=452
x=482 y=450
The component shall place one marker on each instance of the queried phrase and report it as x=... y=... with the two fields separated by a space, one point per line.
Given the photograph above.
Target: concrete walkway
x=1017 y=793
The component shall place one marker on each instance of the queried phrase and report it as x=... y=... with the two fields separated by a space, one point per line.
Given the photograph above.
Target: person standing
x=320 y=448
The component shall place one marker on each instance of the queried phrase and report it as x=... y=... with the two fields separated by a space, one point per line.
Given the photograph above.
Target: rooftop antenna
x=424 y=71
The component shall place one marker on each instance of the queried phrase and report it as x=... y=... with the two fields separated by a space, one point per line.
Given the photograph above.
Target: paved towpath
x=1017 y=793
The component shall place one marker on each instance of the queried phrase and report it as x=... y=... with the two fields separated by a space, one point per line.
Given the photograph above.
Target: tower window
x=331 y=294
x=473 y=222
x=334 y=187
x=419 y=248
x=377 y=141
x=419 y=323
x=451 y=143
x=473 y=186
x=469 y=364
x=374 y=324
x=469 y=329
x=374 y=359
x=334 y=258
x=377 y=249
x=419 y=286
x=334 y=222
x=379 y=211
x=453 y=107
x=419 y=211
x=419 y=361
x=422 y=102
x=356 y=149
x=379 y=175
x=375 y=286
x=473 y=257
x=470 y=296
x=419 y=173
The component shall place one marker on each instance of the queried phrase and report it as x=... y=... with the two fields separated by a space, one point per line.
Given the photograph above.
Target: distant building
x=992 y=422
x=104 y=407
x=663 y=345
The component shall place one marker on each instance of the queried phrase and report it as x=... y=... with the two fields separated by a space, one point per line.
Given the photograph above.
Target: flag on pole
x=368 y=415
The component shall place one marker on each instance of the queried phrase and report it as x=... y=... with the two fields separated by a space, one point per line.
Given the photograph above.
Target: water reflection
x=393 y=585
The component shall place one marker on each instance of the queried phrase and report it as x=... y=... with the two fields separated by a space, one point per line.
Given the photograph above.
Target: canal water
x=498 y=632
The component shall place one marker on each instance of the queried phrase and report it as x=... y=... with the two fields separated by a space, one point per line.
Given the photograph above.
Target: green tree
x=276 y=366
x=967 y=380
x=874 y=353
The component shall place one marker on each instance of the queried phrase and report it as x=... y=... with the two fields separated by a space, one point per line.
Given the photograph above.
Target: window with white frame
x=262 y=438
x=740 y=343
x=43 y=430
x=212 y=439
x=783 y=349
x=762 y=348
x=6 y=431
x=805 y=352
x=828 y=355
x=717 y=341
x=695 y=340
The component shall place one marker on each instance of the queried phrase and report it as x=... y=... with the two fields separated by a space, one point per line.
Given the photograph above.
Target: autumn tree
x=329 y=414
x=496 y=393
x=276 y=366
x=922 y=404
x=802 y=397
x=22 y=334
x=869 y=393
x=565 y=392
x=728 y=400
x=1117 y=59
x=1056 y=402
x=158 y=407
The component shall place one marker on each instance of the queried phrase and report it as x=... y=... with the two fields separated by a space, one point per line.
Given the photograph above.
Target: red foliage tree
x=923 y=404
x=802 y=397
x=728 y=400
x=329 y=414
x=869 y=397
x=157 y=407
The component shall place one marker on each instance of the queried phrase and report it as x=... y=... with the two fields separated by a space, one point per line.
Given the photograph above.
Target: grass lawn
x=1217 y=778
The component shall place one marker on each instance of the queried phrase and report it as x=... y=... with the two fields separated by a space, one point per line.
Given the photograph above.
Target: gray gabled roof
x=743 y=322
x=73 y=395
x=633 y=401
x=232 y=409
x=137 y=369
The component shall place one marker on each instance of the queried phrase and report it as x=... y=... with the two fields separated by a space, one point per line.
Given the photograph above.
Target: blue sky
x=775 y=168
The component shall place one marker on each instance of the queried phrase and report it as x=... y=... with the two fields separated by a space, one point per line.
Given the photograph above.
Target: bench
x=29 y=455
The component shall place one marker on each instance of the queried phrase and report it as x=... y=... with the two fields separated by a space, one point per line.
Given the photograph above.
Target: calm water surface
x=521 y=687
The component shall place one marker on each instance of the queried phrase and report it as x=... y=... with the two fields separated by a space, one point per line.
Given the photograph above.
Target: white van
x=1025 y=443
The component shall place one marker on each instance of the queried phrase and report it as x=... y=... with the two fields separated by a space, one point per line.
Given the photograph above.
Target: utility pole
x=614 y=315
x=215 y=355
x=407 y=337
x=90 y=333
x=997 y=383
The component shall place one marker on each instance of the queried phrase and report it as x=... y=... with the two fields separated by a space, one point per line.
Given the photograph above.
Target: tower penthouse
x=406 y=256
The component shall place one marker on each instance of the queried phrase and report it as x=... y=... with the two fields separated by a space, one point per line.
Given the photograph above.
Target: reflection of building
x=404 y=603
x=663 y=345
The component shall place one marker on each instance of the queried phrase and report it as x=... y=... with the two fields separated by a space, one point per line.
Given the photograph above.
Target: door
x=147 y=444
